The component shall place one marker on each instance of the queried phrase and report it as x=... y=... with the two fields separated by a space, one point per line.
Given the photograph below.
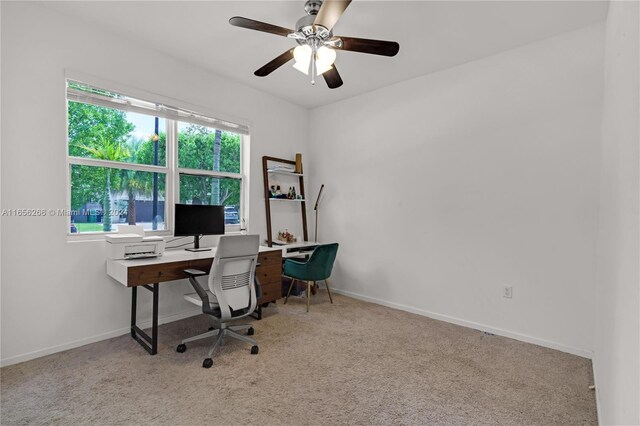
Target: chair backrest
x=320 y=264
x=232 y=274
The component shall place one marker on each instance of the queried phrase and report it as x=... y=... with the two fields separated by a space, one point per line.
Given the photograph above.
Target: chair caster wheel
x=207 y=363
x=181 y=348
x=250 y=331
x=254 y=350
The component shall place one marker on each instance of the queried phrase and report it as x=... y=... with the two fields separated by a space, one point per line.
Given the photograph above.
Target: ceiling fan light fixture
x=303 y=68
x=323 y=70
x=302 y=56
x=325 y=59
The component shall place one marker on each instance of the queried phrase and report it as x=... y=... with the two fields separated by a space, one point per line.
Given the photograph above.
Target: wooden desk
x=150 y=272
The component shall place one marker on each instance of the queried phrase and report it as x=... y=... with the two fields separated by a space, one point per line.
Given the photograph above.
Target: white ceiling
x=433 y=35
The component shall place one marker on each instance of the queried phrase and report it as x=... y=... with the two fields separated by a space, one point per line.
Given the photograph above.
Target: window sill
x=100 y=236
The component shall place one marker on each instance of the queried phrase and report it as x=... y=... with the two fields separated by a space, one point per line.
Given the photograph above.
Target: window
x=206 y=176
x=130 y=160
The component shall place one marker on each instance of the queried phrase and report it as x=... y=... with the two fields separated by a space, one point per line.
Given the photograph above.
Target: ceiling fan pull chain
x=313 y=67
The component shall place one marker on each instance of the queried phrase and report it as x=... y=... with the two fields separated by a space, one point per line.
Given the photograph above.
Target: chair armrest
x=195 y=272
x=202 y=293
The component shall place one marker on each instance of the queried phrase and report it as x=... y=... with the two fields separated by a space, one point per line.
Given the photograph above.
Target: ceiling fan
x=316 y=50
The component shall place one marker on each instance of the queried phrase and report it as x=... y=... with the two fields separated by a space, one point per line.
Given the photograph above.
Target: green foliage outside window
x=203 y=148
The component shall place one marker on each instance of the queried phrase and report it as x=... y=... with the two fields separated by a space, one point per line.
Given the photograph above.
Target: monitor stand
x=196 y=245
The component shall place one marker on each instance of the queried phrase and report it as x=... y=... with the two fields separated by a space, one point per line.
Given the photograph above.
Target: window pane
x=205 y=148
x=111 y=134
x=126 y=194
x=213 y=191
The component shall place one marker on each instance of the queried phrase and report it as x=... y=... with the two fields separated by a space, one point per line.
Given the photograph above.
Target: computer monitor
x=196 y=220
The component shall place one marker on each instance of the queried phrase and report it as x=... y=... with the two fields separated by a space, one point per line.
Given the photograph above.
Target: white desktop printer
x=133 y=245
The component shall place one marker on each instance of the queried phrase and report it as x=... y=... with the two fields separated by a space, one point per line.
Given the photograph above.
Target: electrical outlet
x=507 y=292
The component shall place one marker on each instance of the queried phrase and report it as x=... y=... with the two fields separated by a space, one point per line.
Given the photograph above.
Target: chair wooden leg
x=326 y=282
x=308 y=294
x=289 y=292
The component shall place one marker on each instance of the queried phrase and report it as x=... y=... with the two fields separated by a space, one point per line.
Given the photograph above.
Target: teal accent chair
x=317 y=268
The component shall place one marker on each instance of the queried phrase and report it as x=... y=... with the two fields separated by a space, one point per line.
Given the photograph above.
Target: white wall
x=617 y=346
x=445 y=188
x=55 y=294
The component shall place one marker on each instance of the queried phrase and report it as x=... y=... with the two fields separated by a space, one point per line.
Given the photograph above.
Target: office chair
x=231 y=294
x=317 y=268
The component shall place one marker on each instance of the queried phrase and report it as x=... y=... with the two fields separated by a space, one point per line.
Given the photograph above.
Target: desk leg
x=150 y=344
x=134 y=303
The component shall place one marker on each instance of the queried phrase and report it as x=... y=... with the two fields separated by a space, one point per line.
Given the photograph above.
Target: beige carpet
x=347 y=363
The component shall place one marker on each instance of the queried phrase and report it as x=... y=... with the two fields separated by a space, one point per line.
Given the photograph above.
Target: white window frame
x=170 y=169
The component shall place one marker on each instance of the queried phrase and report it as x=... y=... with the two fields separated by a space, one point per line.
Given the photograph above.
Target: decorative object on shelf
x=291 y=195
x=278 y=168
x=276 y=192
x=298 y=168
x=286 y=236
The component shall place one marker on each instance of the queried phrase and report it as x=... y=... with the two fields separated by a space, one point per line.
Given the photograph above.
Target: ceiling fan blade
x=251 y=24
x=332 y=77
x=270 y=67
x=374 y=47
x=330 y=12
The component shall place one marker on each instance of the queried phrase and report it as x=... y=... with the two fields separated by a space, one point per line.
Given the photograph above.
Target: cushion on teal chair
x=317 y=268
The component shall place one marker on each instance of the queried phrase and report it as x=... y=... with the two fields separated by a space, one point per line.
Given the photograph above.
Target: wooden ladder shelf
x=267 y=193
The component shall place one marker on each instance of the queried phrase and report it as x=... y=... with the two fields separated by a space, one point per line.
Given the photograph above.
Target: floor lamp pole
x=315 y=236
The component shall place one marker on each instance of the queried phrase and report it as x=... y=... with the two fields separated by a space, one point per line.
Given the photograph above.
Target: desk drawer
x=270 y=292
x=269 y=274
x=159 y=273
x=270 y=258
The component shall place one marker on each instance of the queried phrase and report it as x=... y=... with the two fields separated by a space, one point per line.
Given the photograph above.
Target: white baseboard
x=81 y=342
x=470 y=324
